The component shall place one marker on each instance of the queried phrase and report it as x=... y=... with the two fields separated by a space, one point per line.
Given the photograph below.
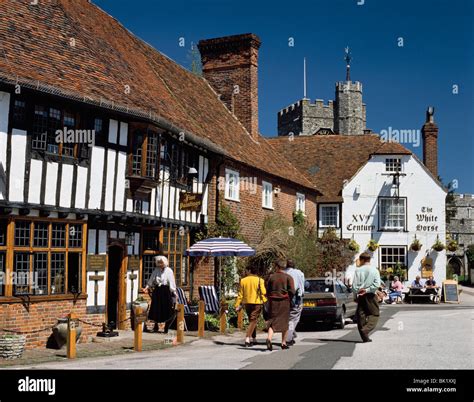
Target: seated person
x=395 y=289
x=416 y=286
x=431 y=287
x=381 y=293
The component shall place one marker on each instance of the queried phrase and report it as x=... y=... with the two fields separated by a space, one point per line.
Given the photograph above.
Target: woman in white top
x=162 y=288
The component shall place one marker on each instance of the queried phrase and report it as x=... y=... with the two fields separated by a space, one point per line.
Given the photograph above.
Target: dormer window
x=393 y=165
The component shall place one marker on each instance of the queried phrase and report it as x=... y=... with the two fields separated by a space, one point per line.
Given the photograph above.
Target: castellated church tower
x=346 y=115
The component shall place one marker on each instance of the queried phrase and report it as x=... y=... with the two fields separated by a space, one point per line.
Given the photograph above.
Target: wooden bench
x=422 y=295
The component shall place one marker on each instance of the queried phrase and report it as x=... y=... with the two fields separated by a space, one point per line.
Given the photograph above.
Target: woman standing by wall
x=162 y=288
x=280 y=290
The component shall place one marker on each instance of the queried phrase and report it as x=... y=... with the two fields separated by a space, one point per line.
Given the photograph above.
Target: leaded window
x=40 y=270
x=41 y=234
x=58 y=272
x=75 y=236
x=21 y=270
x=58 y=238
x=22 y=233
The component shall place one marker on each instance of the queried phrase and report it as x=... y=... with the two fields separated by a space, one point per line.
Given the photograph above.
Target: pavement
x=418 y=336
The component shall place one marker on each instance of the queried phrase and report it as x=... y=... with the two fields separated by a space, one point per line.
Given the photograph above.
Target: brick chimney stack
x=430 y=142
x=230 y=65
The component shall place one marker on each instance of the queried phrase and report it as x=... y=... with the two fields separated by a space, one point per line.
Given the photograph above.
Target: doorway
x=116 y=303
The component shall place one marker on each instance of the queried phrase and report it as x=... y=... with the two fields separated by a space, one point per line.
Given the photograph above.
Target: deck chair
x=188 y=310
x=209 y=295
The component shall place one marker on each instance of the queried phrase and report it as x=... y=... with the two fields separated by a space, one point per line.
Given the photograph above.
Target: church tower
x=349 y=110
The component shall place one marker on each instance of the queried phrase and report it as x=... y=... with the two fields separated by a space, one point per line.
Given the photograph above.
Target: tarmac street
x=418 y=336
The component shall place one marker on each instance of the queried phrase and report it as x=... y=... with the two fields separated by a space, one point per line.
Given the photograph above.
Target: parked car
x=327 y=300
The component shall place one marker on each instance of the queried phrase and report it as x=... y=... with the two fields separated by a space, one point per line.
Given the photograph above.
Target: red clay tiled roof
x=331 y=159
x=35 y=43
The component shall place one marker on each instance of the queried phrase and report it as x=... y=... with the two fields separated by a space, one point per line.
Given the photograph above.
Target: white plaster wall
x=421 y=192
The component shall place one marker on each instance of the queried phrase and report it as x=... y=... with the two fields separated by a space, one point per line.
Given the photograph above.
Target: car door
x=351 y=305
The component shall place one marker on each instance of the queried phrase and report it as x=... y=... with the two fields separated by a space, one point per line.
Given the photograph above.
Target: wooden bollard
x=180 y=324
x=138 y=336
x=201 y=318
x=223 y=317
x=240 y=319
x=71 y=336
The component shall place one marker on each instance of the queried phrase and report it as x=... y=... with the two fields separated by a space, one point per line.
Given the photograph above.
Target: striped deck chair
x=188 y=310
x=209 y=295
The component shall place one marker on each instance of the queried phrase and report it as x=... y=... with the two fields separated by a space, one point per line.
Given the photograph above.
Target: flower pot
x=12 y=346
x=60 y=332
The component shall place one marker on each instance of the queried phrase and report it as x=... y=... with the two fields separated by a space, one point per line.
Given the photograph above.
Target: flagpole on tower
x=304 y=78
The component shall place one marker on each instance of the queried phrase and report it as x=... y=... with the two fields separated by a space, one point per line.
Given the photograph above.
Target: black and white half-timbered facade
x=80 y=213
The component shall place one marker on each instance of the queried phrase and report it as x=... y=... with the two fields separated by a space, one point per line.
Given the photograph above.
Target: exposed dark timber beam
x=44 y=213
x=6 y=211
x=63 y=215
x=24 y=211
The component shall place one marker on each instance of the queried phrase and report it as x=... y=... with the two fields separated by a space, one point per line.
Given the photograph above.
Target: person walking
x=280 y=289
x=162 y=288
x=366 y=282
x=252 y=295
x=297 y=303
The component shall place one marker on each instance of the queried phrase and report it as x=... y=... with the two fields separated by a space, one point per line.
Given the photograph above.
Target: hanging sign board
x=190 y=202
x=426 y=267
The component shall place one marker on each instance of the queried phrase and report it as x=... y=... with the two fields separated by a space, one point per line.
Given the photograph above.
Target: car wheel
x=341 y=322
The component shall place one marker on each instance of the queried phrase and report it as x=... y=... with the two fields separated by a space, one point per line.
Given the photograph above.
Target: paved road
x=407 y=336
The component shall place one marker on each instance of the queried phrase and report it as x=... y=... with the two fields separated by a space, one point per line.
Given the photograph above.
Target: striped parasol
x=220 y=247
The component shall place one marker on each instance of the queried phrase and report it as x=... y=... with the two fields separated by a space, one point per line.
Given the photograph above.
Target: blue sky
x=399 y=82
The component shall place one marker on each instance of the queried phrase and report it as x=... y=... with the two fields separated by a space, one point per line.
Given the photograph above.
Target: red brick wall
x=249 y=210
x=14 y=316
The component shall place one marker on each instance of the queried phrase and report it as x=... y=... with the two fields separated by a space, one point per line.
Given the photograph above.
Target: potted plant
x=353 y=246
x=372 y=245
x=12 y=346
x=416 y=245
x=452 y=245
x=438 y=245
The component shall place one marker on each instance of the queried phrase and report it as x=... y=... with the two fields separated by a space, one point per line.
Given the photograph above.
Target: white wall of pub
x=425 y=198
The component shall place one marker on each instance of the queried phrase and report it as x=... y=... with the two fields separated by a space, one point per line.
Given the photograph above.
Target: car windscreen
x=318 y=286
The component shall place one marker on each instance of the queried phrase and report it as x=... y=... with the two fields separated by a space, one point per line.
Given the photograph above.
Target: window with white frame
x=329 y=215
x=267 y=195
x=392 y=213
x=232 y=184
x=393 y=165
x=392 y=256
x=300 y=202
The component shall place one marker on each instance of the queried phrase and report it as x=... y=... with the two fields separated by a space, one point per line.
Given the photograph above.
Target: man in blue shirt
x=297 y=304
x=366 y=282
